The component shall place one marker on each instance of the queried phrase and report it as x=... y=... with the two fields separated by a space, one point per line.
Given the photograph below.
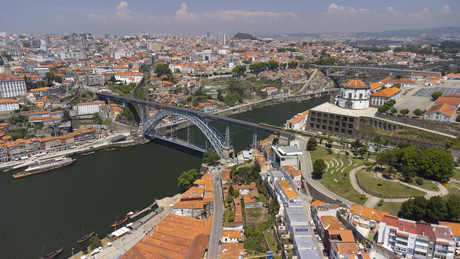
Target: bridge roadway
x=179 y=141
x=394 y=70
x=207 y=116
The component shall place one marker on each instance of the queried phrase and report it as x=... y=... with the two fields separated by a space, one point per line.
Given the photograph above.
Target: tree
x=312 y=143
x=229 y=199
x=417 y=112
x=453 y=207
x=389 y=172
x=436 y=95
x=397 y=85
x=436 y=163
x=239 y=70
x=404 y=111
x=386 y=141
x=386 y=157
x=186 y=179
x=436 y=209
x=319 y=168
x=249 y=232
x=394 y=110
x=163 y=69
x=94 y=242
x=356 y=144
x=449 y=144
x=414 y=209
x=362 y=151
x=236 y=193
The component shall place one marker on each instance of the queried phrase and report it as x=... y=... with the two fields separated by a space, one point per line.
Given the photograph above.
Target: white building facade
x=9 y=105
x=354 y=95
x=89 y=108
x=11 y=86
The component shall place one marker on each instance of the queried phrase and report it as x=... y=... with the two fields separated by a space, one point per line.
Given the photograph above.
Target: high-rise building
x=47 y=39
x=221 y=39
x=208 y=34
x=84 y=40
x=72 y=39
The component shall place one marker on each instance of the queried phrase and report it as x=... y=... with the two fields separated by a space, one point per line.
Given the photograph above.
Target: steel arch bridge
x=218 y=141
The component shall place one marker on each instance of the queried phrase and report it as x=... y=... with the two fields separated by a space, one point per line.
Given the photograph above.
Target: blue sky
x=200 y=16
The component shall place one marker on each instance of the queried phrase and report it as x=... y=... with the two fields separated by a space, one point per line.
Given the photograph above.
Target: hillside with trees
x=244 y=36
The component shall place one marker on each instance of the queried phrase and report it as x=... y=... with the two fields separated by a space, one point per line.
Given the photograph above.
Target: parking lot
x=420 y=97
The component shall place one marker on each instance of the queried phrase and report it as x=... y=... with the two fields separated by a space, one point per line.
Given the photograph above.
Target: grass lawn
x=254 y=215
x=388 y=188
x=271 y=241
x=428 y=185
x=262 y=198
x=343 y=186
x=452 y=190
x=391 y=207
x=456 y=174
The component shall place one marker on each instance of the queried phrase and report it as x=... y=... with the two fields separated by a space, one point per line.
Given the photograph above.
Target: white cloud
x=184 y=15
x=253 y=17
x=122 y=11
x=349 y=13
x=95 y=17
x=446 y=10
x=392 y=11
x=425 y=13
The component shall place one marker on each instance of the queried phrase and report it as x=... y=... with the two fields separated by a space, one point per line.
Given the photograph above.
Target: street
x=218 y=211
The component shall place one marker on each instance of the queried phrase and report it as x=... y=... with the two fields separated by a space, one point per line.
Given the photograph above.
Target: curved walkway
x=373 y=200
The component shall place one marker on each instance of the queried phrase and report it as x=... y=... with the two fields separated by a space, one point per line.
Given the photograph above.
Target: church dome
x=356 y=84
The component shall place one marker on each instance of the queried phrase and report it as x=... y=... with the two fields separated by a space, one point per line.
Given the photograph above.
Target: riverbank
x=96 y=146
x=121 y=245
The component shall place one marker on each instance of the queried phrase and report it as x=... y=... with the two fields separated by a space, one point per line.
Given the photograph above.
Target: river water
x=44 y=212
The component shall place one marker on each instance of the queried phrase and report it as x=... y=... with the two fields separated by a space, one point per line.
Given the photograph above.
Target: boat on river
x=118 y=223
x=85 y=237
x=40 y=168
x=88 y=153
x=53 y=254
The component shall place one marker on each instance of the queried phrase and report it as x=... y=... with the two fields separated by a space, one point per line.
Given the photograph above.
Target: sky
x=197 y=17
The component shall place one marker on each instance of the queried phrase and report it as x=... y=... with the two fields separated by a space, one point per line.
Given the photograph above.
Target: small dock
x=144 y=210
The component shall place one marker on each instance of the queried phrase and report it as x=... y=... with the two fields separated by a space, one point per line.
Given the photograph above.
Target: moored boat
x=40 y=168
x=118 y=223
x=85 y=237
x=88 y=153
x=53 y=254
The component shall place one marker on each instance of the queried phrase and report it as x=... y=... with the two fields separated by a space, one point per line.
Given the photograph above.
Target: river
x=41 y=213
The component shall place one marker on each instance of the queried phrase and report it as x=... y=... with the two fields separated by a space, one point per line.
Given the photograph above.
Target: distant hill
x=411 y=33
x=244 y=36
x=430 y=32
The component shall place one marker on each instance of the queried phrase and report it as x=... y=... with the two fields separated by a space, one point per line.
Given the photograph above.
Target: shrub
x=419 y=181
x=368 y=163
x=379 y=184
x=380 y=202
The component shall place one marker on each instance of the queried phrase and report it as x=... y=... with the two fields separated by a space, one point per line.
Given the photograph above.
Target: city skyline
x=255 y=17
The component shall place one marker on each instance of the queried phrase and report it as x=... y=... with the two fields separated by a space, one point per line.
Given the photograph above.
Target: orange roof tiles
x=367 y=212
x=454 y=227
x=442 y=108
x=453 y=101
x=355 y=83
x=388 y=92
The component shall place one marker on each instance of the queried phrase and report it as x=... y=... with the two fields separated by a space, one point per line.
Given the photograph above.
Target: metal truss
x=217 y=140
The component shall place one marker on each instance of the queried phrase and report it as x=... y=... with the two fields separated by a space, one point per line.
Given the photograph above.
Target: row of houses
x=8 y=147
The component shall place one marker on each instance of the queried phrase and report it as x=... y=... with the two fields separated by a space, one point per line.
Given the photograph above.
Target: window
x=350 y=95
x=360 y=96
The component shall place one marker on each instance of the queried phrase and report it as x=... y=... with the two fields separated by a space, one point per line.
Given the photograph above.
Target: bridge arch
x=218 y=141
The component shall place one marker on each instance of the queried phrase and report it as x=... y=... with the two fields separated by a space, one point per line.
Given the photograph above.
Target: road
x=217 y=213
x=306 y=162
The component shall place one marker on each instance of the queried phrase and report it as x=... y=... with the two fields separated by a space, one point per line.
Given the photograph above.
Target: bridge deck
x=179 y=142
x=207 y=116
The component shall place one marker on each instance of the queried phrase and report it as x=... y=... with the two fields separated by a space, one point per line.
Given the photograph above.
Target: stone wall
x=320 y=196
x=364 y=134
x=448 y=128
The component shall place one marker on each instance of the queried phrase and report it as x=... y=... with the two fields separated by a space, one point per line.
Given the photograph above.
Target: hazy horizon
x=198 y=17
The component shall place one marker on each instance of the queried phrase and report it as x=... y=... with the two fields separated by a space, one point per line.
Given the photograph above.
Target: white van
x=312 y=223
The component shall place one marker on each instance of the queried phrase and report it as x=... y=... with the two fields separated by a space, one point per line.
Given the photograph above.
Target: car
x=325 y=253
x=319 y=239
x=315 y=231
